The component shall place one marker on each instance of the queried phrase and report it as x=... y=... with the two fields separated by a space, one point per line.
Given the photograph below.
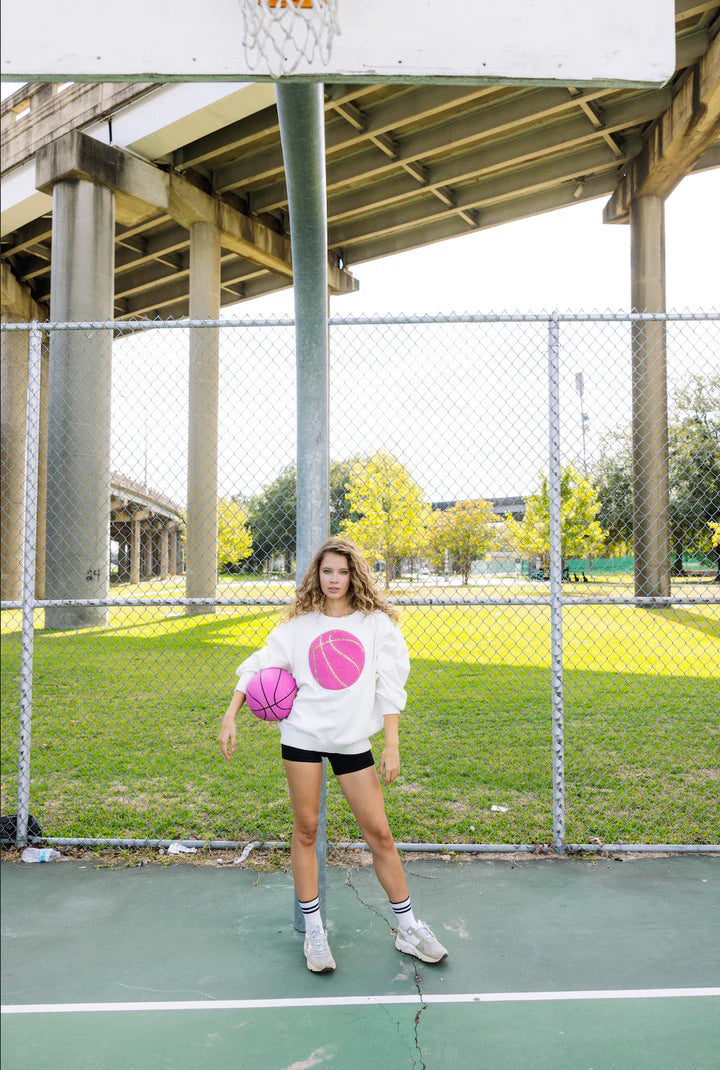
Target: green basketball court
x=554 y=964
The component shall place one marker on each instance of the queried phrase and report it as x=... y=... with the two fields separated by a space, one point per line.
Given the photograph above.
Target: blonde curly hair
x=363 y=594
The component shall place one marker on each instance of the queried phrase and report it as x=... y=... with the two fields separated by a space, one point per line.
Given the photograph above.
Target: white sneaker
x=317 y=952
x=420 y=941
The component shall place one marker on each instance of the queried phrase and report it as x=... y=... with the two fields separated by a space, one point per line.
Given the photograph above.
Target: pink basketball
x=270 y=694
x=336 y=659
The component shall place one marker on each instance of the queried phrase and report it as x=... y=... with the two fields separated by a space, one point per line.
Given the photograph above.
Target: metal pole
x=28 y=586
x=554 y=490
x=302 y=132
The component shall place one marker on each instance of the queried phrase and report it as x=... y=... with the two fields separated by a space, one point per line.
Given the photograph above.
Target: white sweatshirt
x=336 y=721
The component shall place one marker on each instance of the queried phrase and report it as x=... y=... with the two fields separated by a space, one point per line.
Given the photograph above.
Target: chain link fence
x=539 y=494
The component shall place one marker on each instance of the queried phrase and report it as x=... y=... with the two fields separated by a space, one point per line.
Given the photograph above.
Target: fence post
x=28 y=582
x=556 y=651
x=302 y=131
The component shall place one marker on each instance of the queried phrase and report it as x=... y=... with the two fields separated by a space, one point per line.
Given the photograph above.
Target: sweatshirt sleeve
x=277 y=653
x=392 y=667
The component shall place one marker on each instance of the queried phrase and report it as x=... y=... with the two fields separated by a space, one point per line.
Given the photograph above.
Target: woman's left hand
x=389 y=763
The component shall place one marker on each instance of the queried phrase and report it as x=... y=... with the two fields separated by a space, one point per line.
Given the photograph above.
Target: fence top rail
x=139 y=325
x=528 y=600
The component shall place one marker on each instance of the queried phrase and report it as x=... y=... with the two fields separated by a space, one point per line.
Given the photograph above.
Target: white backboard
x=573 y=42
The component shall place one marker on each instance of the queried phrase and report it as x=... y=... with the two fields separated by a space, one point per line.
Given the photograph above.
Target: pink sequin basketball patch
x=336 y=659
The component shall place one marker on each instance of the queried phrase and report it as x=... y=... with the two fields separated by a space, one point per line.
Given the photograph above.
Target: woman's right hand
x=228 y=736
x=228 y=729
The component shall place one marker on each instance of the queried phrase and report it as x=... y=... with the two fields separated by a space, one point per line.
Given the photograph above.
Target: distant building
x=514 y=507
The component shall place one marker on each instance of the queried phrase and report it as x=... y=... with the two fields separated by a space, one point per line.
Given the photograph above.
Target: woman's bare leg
x=304 y=782
x=365 y=798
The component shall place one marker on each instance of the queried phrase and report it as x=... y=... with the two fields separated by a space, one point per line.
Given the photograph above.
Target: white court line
x=357 y=1001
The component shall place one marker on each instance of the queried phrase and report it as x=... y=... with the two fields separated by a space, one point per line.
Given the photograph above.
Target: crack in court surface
x=421 y=1010
x=417 y=979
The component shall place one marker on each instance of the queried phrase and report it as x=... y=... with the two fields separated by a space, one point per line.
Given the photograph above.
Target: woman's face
x=334 y=576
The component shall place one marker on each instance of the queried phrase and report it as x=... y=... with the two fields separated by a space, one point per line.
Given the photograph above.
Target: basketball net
x=282 y=32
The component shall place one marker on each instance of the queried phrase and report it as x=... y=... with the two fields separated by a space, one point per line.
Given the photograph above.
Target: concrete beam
x=463 y=130
x=495 y=153
x=244 y=235
x=18 y=303
x=677 y=141
x=709 y=159
x=139 y=187
x=417 y=208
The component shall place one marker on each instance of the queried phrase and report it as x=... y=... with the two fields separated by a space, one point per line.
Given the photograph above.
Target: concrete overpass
x=407 y=165
x=148 y=529
x=171 y=200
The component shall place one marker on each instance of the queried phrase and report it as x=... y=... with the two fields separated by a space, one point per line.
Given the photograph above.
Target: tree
x=694 y=448
x=234 y=539
x=613 y=477
x=465 y=532
x=693 y=468
x=273 y=513
x=389 y=516
x=340 y=474
x=581 y=534
x=272 y=519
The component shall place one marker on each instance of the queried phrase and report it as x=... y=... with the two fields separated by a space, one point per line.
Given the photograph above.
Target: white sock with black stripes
x=311 y=913
x=404 y=914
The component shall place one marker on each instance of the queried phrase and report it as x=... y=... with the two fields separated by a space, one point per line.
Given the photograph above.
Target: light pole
x=584 y=418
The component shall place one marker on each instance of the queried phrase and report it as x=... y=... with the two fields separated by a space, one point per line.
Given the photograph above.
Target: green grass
x=126 y=719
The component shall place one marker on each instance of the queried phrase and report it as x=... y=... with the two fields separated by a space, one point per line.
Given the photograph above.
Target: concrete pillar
x=13 y=423
x=142 y=547
x=156 y=548
x=78 y=495
x=135 y=537
x=18 y=306
x=651 y=502
x=123 y=536
x=164 y=552
x=173 y=550
x=201 y=532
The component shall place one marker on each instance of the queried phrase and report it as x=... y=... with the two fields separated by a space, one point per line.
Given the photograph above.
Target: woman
x=338 y=706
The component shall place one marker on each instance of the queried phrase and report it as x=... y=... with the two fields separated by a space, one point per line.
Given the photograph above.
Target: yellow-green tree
x=388 y=513
x=234 y=539
x=581 y=534
x=465 y=532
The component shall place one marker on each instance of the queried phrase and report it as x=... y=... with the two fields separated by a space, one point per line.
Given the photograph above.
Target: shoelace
x=318 y=941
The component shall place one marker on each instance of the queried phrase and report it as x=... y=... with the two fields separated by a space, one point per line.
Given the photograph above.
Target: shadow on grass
x=691 y=620
x=125 y=744
x=177 y=627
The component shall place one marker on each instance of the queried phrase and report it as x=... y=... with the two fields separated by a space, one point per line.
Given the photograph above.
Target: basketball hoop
x=282 y=32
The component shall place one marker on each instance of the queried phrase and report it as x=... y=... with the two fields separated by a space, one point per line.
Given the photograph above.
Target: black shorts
x=341 y=763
